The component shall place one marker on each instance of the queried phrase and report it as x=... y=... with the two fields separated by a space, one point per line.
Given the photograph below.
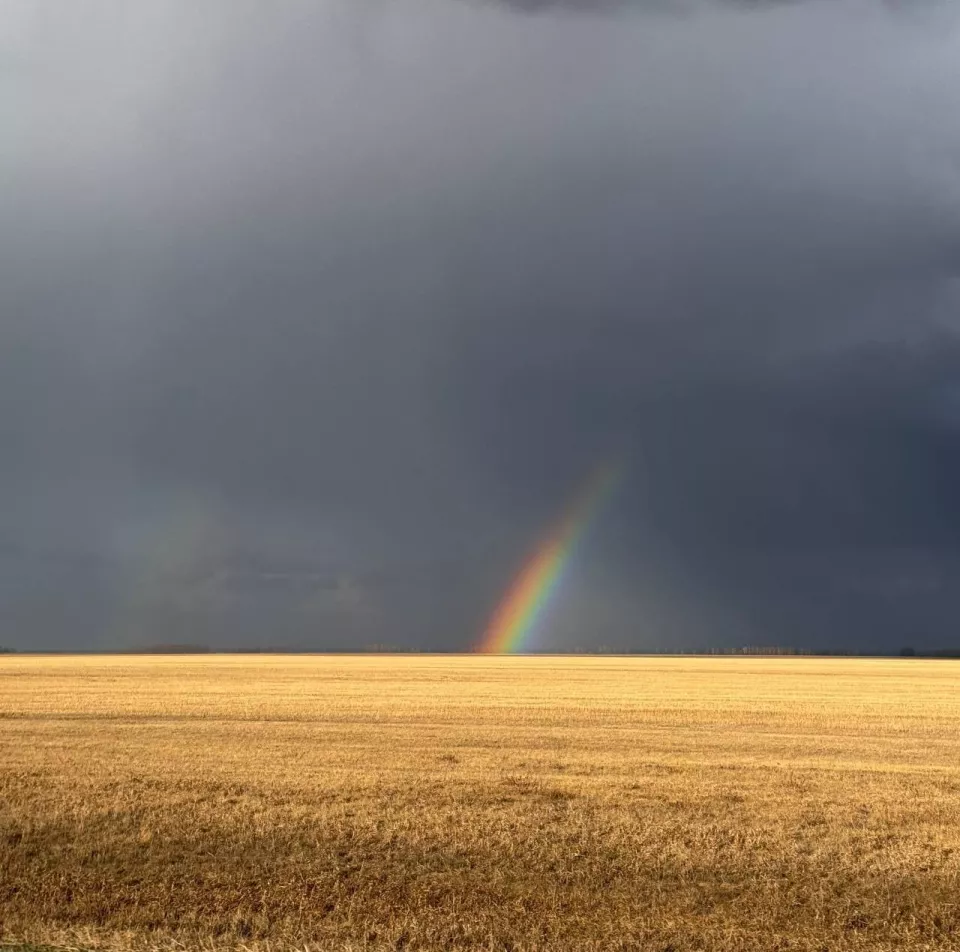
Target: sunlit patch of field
x=480 y=803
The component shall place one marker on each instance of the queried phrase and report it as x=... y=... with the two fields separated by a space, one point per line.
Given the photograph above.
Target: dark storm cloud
x=358 y=293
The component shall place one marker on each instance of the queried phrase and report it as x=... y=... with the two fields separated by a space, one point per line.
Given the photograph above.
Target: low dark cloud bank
x=313 y=316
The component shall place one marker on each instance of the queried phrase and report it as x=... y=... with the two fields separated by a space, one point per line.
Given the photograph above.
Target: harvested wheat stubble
x=432 y=803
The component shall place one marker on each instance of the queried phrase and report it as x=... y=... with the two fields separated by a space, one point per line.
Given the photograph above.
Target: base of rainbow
x=515 y=619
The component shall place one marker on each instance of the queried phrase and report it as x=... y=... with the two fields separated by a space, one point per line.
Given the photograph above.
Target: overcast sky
x=313 y=316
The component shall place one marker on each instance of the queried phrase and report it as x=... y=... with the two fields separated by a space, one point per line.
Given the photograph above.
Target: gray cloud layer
x=358 y=292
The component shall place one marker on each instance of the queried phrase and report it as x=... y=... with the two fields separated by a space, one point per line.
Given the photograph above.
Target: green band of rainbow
x=516 y=617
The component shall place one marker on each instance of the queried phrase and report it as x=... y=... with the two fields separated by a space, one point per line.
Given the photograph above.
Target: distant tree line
x=172 y=649
x=774 y=651
x=389 y=649
x=759 y=650
x=910 y=652
x=268 y=649
x=777 y=650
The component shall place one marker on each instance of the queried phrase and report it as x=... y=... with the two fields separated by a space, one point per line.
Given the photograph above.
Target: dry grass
x=480 y=803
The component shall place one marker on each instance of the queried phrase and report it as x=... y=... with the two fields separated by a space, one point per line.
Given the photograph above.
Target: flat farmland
x=479 y=802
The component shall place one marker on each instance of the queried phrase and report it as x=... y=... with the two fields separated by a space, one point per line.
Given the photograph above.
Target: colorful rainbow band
x=515 y=620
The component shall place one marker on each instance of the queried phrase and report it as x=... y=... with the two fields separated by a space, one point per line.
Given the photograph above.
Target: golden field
x=445 y=803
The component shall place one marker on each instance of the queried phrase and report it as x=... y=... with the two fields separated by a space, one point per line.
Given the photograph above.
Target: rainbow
x=516 y=617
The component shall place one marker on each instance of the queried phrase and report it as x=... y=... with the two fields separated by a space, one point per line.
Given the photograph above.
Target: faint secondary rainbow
x=516 y=617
